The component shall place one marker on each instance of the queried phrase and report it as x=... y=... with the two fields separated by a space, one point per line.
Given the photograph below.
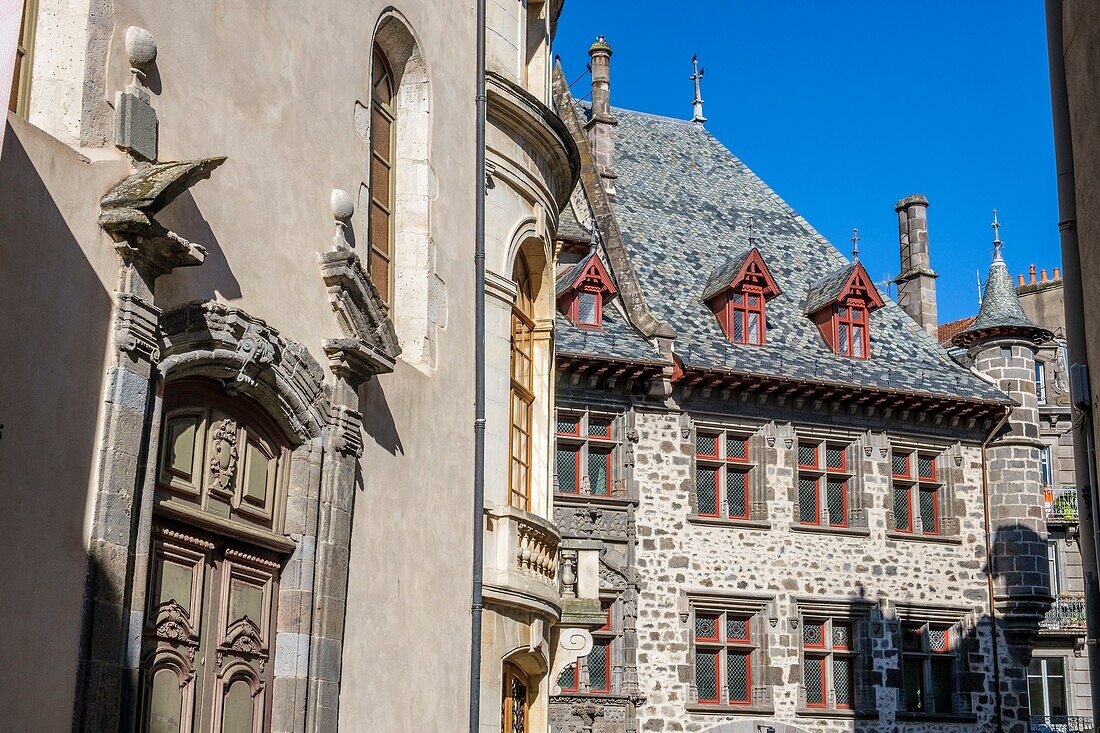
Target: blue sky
x=845 y=107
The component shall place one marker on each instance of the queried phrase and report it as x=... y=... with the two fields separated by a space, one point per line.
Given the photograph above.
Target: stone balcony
x=521 y=560
x=1067 y=614
x=1060 y=503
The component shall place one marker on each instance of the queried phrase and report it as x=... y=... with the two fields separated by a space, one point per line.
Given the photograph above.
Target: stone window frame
x=761 y=615
x=856 y=613
x=19 y=101
x=583 y=441
x=754 y=466
x=957 y=622
x=943 y=482
x=610 y=634
x=856 y=500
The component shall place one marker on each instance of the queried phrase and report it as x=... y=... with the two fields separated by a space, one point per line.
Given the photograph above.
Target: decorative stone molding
x=590 y=521
x=136 y=322
x=346 y=425
x=369 y=346
x=127 y=214
x=226 y=343
x=572 y=645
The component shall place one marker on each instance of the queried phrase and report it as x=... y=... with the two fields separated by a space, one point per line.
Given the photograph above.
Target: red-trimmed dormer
x=737 y=293
x=840 y=304
x=583 y=290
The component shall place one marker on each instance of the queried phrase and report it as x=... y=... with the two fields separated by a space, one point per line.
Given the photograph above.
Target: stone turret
x=601 y=126
x=916 y=281
x=1001 y=343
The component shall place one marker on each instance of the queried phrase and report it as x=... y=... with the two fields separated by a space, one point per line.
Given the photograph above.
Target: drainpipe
x=1083 y=441
x=476 y=601
x=989 y=574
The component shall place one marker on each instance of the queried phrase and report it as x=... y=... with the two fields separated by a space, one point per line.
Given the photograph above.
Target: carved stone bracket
x=127 y=213
x=590 y=521
x=369 y=345
x=572 y=645
x=346 y=424
x=136 y=327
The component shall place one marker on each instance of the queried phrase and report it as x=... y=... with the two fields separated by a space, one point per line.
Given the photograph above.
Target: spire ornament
x=997 y=243
x=752 y=230
x=855 y=244
x=697 y=77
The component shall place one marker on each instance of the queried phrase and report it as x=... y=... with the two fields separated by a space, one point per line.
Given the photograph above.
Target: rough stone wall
x=676 y=554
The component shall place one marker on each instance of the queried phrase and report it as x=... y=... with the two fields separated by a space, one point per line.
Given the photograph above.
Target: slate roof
x=720 y=279
x=568 y=276
x=616 y=339
x=1001 y=310
x=826 y=290
x=683 y=204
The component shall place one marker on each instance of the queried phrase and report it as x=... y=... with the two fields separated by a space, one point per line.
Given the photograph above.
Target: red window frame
x=726 y=503
x=598 y=421
x=575 y=308
x=935 y=492
x=606 y=453
x=931 y=464
x=576 y=422
x=747 y=638
x=717 y=490
x=606 y=643
x=908 y=529
x=820 y=661
x=843 y=499
x=946 y=641
x=576 y=677
x=747 y=654
x=843 y=467
x=576 y=451
x=731 y=307
x=846 y=314
x=737 y=439
x=908 y=466
x=818 y=624
x=717 y=677
x=717 y=628
x=817 y=456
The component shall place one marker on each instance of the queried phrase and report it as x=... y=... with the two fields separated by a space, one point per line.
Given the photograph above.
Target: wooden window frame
x=386 y=109
x=507 y=714
x=521 y=393
x=722 y=463
x=925 y=656
x=844 y=314
x=575 y=307
x=20 y=97
x=585 y=443
x=822 y=475
x=827 y=654
x=722 y=647
x=737 y=301
x=915 y=485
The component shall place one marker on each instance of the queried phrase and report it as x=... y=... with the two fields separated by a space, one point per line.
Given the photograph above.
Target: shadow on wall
x=213 y=278
x=53 y=339
x=378 y=420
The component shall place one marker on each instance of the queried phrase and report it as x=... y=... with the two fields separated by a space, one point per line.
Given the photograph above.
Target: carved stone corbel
x=572 y=645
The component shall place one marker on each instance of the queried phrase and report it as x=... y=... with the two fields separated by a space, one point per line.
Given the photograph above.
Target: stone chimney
x=601 y=126
x=917 y=281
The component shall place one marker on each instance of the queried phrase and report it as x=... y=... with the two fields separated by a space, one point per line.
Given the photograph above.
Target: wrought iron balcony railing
x=1067 y=614
x=1061 y=503
x=1061 y=724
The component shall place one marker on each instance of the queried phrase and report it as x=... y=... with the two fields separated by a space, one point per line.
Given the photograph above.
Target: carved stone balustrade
x=521 y=559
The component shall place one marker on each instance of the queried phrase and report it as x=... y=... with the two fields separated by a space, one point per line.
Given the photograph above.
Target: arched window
x=522 y=386
x=383 y=122
x=213 y=584
x=515 y=705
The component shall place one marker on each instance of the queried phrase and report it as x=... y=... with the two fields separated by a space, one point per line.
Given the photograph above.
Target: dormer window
x=737 y=293
x=583 y=291
x=840 y=304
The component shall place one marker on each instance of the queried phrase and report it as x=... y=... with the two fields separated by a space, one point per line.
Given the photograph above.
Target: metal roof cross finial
x=697 y=104
x=855 y=244
x=997 y=243
x=752 y=230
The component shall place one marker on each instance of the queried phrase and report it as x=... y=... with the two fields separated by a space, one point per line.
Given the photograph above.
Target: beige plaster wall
x=56 y=282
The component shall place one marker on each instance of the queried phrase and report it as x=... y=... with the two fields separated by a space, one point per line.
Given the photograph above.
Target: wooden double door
x=208 y=635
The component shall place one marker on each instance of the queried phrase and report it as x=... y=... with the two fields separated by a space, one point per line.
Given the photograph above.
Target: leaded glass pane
x=597 y=668
x=938 y=640
x=899 y=464
x=857 y=340
x=913 y=684
x=598 y=464
x=754 y=328
x=807 y=501
x=813 y=679
x=599 y=428
x=928 y=512
x=912 y=637
x=926 y=467
x=901 y=509
x=737 y=629
x=842 y=681
x=706 y=675
x=568 y=424
x=568 y=678
x=567 y=470
x=737 y=677
x=842 y=636
x=586 y=309
x=844 y=343
x=738 y=325
x=836 y=499
x=834 y=457
x=706 y=490
x=706 y=626
x=706 y=444
x=813 y=634
x=737 y=449
x=737 y=494
x=807 y=455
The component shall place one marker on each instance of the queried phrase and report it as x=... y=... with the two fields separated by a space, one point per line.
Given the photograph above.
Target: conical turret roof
x=1001 y=314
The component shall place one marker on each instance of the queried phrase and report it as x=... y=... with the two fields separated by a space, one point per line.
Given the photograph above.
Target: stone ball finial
x=600 y=46
x=342 y=205
x=141 y=47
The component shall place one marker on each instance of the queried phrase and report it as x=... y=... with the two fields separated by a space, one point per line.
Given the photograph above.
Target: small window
x=723 y=474
x=828 y=663
x=743 y=318
x=1046 y=686
x=1046 y=465
x=852 y=335
x=725 y=648
x=917 y=492
x=1040 y=381
x=928 y=653
x=584 y=455
x=589 y=308
x=383 y=125
x=823 y=490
